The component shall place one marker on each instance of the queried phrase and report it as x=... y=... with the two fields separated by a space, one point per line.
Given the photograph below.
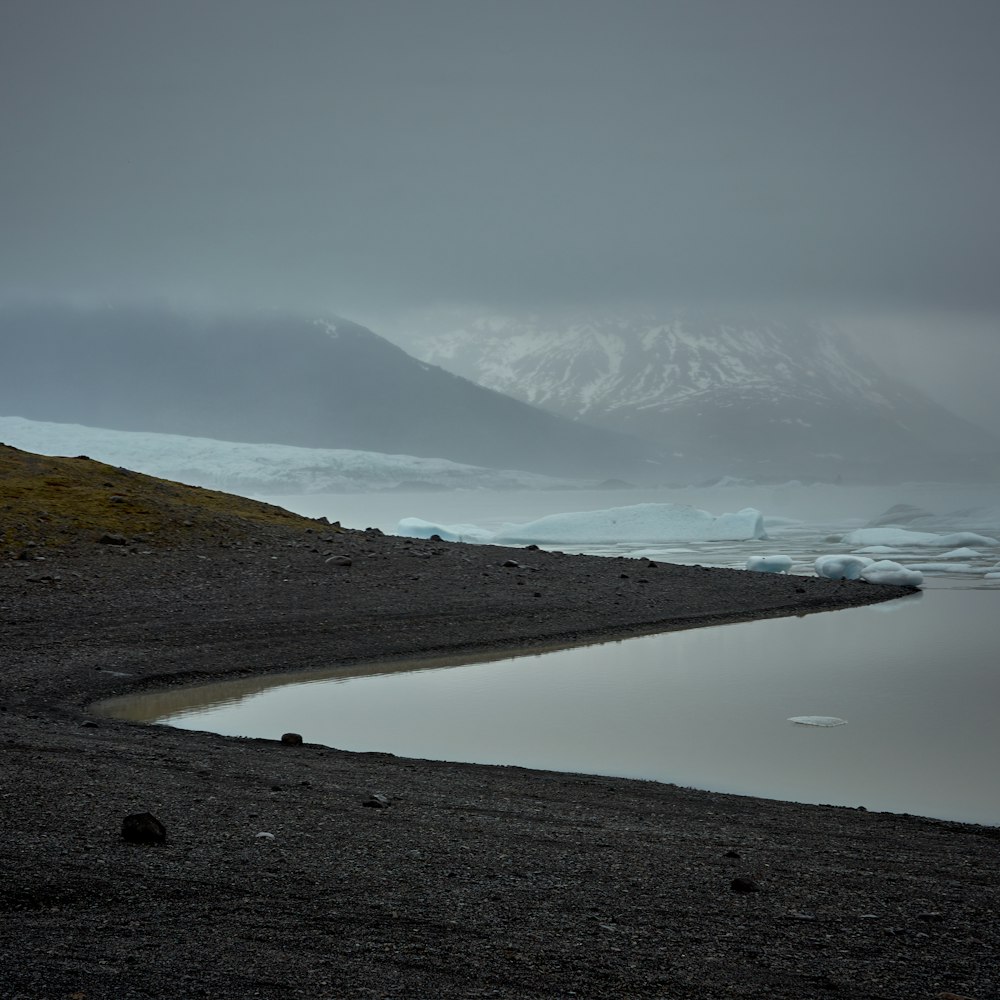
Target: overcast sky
x=370 y=156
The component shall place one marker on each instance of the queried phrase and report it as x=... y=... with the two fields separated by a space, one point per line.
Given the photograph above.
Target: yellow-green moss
x=59 y=501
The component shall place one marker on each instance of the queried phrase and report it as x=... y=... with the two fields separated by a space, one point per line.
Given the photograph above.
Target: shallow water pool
x=917 y=681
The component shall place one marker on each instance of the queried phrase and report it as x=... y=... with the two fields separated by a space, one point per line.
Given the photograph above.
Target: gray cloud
x=368 y=155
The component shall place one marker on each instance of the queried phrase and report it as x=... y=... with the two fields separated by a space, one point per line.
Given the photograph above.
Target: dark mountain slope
x=280 y=379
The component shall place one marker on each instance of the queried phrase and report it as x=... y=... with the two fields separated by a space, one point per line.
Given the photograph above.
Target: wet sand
x=473 y=881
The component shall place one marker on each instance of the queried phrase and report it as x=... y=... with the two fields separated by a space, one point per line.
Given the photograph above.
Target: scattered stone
x=731 y=854
x=742 y=884
x=532 y=547
x=340 y=561
x=291 y=739
x=931 y=916
x=264 y=835
x=143 y=828
x=89 y=724
x=511 y=564
x=377 y=801
x=108 y=539
x=802 y=915
x=435 y=538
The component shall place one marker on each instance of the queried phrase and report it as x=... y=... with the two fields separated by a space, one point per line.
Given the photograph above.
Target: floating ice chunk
x=992 y=575
x=264 y=835
x=892 y=573
x=877 y=550
x=817 y=720
x=963 y=553
x=644 y=522
x=415 y=527
x=770 y=564
x=905 y=537
x=841 y=567
x=942 y=567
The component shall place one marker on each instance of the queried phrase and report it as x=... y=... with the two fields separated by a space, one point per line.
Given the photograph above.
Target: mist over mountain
x=763 y=399
x=280 y=379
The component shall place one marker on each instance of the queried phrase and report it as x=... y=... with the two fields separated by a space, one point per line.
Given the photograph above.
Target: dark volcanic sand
x=475 y=881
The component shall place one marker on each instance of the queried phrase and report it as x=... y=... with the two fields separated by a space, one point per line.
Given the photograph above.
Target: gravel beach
x=277 y=880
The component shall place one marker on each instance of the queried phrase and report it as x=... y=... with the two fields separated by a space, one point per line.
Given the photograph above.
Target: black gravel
x=471 y=881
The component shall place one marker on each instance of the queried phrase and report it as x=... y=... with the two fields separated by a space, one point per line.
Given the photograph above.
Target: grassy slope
x=56 y=502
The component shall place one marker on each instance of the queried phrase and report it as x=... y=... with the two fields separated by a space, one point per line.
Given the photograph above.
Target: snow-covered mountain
x=763 y=399
x=260 y=469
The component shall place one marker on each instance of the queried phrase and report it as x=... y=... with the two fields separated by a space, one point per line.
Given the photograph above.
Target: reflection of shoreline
x=167 y=704
x=158 y=705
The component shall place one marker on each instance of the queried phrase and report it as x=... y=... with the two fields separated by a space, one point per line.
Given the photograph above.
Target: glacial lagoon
x=917 y=681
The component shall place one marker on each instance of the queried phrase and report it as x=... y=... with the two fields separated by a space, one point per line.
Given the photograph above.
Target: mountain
x=764 y=400
x=281 y=380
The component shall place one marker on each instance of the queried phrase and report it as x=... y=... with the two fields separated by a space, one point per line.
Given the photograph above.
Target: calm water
x=917 y=680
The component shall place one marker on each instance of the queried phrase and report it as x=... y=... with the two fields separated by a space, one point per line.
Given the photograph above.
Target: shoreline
x=475 y=880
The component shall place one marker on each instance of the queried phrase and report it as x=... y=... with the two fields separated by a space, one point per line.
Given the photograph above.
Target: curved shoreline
x=476 y=880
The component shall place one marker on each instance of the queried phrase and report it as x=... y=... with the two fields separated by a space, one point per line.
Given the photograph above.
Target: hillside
x=57 y=502
x=277 y=379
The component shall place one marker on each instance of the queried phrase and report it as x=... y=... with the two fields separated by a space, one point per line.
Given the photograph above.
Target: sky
x=372 y=157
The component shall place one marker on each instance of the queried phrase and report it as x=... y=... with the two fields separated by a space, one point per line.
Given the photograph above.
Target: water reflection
x=706 y=708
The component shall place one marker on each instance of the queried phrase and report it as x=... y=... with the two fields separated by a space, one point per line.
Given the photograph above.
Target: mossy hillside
x=58 y=502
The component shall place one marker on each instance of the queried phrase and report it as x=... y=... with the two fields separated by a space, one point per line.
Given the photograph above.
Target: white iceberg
x=415 y=527
x=769 y=564
x=942 y=567
x=893 y=573
x=904 y=537
x=817 y=720
x=644 y=522
x=841 y=567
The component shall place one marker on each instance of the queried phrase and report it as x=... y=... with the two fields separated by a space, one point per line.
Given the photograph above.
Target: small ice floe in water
x=893 y=573
x=817 y=720
x=769 y=564
x=842 y=567
x=906 y=538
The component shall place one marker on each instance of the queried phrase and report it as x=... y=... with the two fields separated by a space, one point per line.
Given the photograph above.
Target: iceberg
x=817 y=720
x=416 y=527
x=769 y=564
x=644 y=522
x=842 y=567
x=904 y=537
x=893 y=573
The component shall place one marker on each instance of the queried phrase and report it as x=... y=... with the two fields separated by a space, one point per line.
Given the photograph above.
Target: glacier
x=260 y=468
